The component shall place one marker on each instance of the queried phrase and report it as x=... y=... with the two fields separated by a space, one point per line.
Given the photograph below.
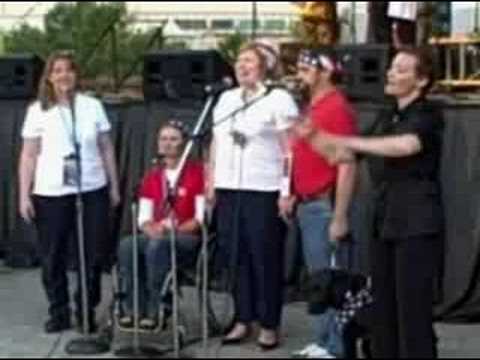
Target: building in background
x=204 y=24
x=198 y=24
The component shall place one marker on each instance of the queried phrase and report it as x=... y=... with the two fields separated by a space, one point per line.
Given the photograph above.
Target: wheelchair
x=194 y=294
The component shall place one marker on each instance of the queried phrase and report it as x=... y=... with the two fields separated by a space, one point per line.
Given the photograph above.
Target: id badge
x=70 y=173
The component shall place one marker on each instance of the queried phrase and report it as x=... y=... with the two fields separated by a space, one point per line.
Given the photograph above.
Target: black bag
x=327 y=288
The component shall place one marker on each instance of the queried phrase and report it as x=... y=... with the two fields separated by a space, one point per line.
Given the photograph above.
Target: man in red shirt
x=323 y=222
x=153 y=220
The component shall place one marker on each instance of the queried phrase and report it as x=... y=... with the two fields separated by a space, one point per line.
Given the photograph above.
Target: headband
x=179 y=125
x=269 y=52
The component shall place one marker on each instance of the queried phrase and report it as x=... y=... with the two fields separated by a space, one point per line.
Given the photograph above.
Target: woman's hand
x=115 y=198
x=332 y=148
x=27 y=210
x=154 y=230
x=210 y=196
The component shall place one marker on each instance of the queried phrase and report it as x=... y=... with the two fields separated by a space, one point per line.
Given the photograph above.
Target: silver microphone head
x=221 y=86
x=158 y=159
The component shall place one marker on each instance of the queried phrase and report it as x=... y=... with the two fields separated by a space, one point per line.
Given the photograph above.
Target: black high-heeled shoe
x=57 y=325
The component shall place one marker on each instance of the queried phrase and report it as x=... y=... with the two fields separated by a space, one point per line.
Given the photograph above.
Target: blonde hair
x=46 y=92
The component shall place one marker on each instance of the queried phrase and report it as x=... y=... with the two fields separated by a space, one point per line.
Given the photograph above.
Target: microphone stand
x=136 y=351
x=171 y=198
x=86 y=345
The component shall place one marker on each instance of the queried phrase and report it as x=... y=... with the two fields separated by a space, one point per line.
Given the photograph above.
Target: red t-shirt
x=312 y=174
x=189 y=186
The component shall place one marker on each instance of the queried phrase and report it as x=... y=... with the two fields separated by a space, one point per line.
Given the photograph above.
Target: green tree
x=26 y=39
x=86 y=29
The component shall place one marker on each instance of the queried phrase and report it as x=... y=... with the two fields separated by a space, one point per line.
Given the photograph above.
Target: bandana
x=321 y=60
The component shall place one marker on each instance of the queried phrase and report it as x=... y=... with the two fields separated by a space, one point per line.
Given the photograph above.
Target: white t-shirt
x=54 y=128
x=258 y=165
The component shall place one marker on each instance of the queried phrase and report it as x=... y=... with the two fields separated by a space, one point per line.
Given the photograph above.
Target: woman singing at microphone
x=246 y=173
x=59 y=126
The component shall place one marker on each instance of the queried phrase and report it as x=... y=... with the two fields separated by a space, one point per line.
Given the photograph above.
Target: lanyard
x=71 y=130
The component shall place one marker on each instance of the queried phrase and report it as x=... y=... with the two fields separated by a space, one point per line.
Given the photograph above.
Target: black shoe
x=56 y=325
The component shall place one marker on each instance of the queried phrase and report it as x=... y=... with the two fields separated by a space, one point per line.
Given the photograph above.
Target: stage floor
x=23 y=311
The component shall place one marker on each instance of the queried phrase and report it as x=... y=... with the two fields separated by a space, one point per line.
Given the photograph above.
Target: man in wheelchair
x=154 y=241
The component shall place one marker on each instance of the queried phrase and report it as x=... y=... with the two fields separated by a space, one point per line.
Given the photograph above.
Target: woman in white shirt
x=247 y=171
x=52 y=136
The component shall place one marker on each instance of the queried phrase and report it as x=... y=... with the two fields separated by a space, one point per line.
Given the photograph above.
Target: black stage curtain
x=134 y=129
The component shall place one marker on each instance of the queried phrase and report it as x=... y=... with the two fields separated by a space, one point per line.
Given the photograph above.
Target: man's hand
x=338 y=229
x=286 y=206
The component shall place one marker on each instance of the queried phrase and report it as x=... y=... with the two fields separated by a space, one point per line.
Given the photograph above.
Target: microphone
x=216 y=88
x=71 y=98
x=158 y=160
x=73 y=113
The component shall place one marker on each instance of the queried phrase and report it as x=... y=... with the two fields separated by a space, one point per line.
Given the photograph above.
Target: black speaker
x=180 y=74
x=19 y=76
x=365 y=68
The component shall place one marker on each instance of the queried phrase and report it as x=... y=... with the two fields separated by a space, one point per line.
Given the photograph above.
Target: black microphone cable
x=226 y=118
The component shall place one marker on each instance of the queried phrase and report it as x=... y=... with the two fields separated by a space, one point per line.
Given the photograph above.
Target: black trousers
x=251 y=238
x=56 y=225
x=403 y=281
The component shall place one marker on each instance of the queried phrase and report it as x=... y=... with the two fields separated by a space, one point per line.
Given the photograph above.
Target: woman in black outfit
x=405 y=153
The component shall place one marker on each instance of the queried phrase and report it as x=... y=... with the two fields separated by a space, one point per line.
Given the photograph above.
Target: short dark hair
x=425 y=64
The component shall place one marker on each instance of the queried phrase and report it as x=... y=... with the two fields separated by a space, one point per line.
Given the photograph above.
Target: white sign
x=403 y=10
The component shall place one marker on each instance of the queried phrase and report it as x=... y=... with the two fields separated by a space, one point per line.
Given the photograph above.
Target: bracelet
x=285 y=187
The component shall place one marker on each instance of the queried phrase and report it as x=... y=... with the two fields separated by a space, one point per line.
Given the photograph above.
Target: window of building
x=246 y=25
x=222 y=24
x=191 y=24
x=275 y=25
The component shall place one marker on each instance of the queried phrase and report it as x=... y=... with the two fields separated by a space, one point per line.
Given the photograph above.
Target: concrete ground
x=23 y=311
